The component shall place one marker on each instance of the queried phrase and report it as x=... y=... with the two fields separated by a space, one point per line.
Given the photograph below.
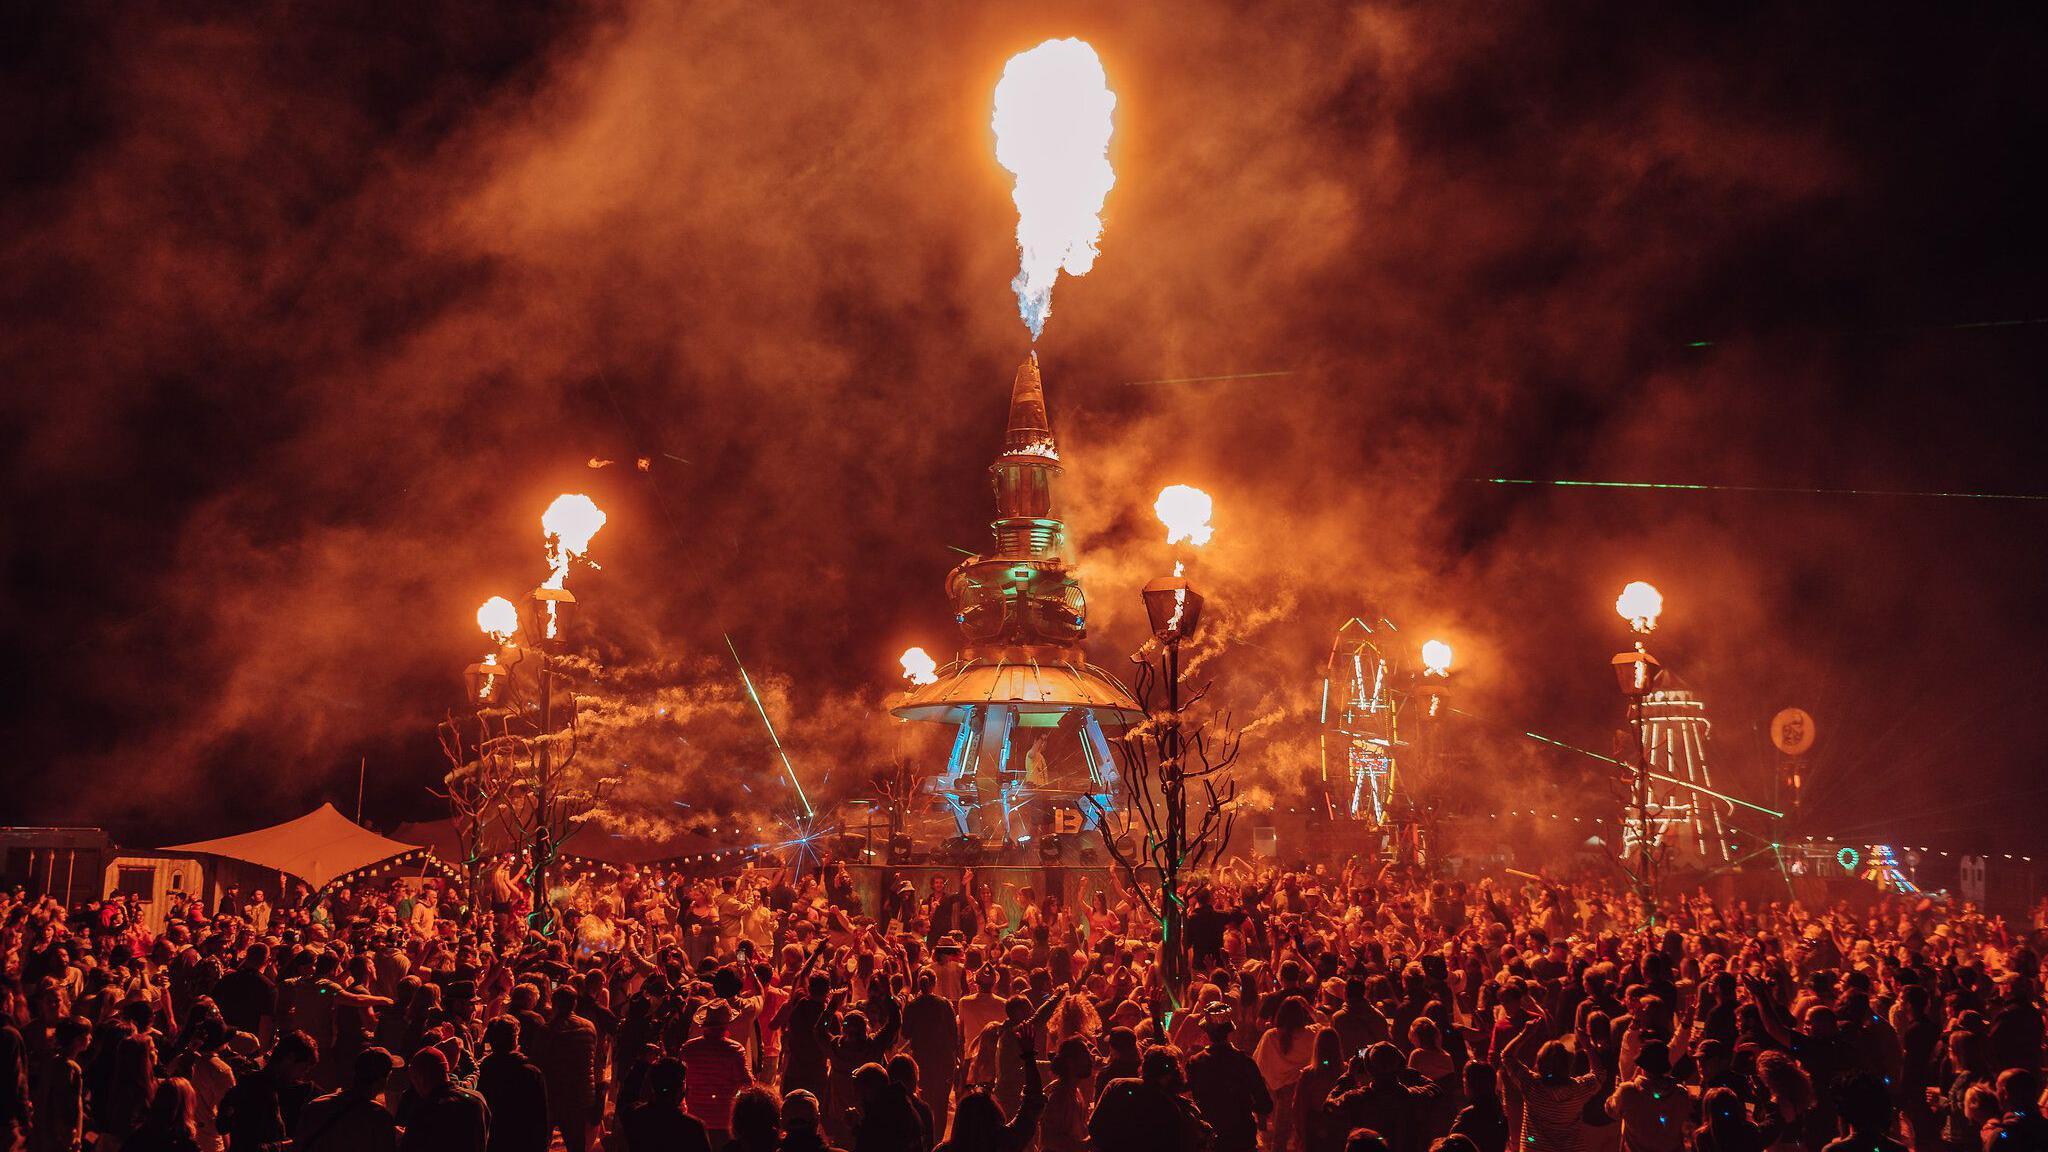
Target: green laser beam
x=1209 y=379
x=1664 y=487
x=1778 y=850
x=1685 y=784
x=1739 y=861
x=770 y=724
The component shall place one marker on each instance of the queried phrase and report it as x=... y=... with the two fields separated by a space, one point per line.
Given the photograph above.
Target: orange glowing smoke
x=1185 y=511
x=1052 y=124
x=1436 y=658
x=919 y=667
x=1640 y=604
x=567 y=527
x=498 y=618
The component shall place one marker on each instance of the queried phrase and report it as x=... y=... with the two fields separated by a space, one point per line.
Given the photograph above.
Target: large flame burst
x=568 y=524
x=1052 y=123
x=919 y=667
x=499 y=618
x=567 y=527
x=1436 y=658
x=1640 y=604
x=1185 y=511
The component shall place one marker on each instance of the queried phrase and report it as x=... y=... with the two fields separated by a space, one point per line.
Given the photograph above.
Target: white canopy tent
x=315 y=848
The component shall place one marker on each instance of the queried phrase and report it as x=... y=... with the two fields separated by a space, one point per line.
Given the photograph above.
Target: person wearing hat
x=949 y=968
x=264 y=1106
x=899 y=907
x=800 y=1124
x=1226 y=1086
x=353 y=1119
x=1120 y=1058
x=1653 y=1106
x=717 y=1071
x=438 y=1114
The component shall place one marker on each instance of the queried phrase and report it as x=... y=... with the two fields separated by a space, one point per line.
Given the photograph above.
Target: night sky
x=310 y=309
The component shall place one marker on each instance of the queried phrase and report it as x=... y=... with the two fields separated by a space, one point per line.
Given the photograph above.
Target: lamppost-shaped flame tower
x=1673 y=727
x=1021 y=692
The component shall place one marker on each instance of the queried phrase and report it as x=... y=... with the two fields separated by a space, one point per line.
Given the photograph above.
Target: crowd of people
x=1344 y=1010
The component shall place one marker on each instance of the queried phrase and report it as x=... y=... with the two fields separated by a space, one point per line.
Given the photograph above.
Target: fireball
x=1436 y=658
x=1640 y=604
x=568 y=524
x=567 y=527
x=919 y=667
x=1052 y=125
x=498 y=618
x=1185 y=511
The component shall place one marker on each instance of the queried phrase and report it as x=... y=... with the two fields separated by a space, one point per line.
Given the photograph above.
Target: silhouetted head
x=1365 y=1140
x=1162 y=1068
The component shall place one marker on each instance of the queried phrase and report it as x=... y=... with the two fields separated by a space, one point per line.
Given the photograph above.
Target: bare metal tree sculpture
x=479 y=788
x=896 y=787
x=1159 y=830
x=513 y=781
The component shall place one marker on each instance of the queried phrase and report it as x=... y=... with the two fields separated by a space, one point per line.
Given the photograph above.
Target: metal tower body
x=1690 y=826
x=1020 y=692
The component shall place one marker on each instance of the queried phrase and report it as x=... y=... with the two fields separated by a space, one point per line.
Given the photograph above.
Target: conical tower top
x=1020 y=609
x=1030 y=430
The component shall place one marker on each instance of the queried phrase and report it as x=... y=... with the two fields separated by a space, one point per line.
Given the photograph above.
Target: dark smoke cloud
x=310 y=314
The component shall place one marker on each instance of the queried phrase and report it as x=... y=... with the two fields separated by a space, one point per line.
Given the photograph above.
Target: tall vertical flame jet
x=1052 y=123
x=1020 y=678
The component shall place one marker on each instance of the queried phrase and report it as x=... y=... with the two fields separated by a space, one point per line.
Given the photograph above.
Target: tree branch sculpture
x=1160 y=828
x=512 y=771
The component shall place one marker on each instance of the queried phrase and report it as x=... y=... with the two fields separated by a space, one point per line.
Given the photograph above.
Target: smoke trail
x=1052 y=124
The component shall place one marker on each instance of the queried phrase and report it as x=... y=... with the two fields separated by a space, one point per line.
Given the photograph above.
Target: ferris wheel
x=1360 y=737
